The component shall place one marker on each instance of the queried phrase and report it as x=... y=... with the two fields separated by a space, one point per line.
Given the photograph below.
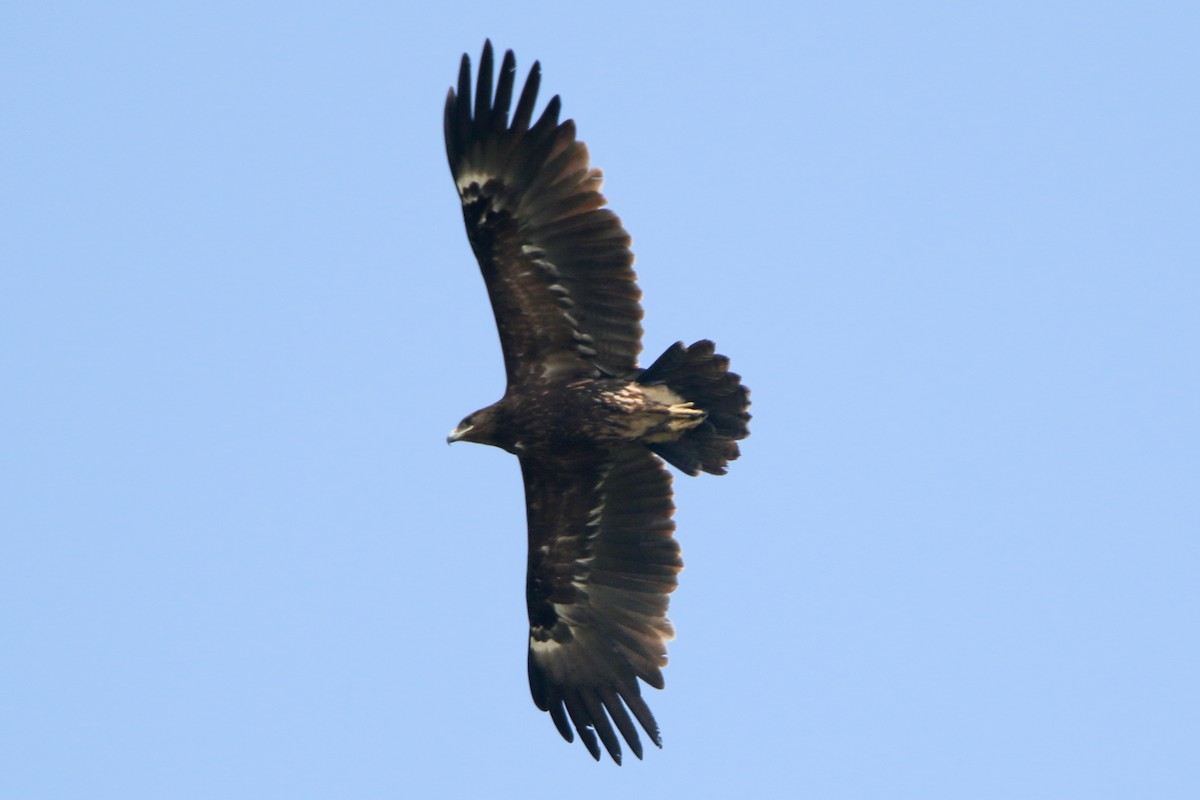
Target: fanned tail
x=701 y=376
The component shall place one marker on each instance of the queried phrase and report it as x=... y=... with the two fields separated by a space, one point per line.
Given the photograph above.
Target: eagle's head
x=485 y=426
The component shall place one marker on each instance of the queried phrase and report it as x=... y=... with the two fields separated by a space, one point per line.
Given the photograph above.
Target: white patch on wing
x=544 y=648
x=562 y=632
x=467 y=179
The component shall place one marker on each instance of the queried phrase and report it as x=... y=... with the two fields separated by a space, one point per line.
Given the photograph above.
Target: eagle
x=590 y=427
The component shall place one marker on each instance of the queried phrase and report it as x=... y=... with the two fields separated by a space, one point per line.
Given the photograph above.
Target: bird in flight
x=591 y=428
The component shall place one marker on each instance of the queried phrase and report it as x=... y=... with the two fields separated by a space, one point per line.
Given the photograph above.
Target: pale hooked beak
x=458 y=433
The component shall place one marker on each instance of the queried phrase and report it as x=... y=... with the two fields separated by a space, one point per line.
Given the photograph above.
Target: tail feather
x=702 y=377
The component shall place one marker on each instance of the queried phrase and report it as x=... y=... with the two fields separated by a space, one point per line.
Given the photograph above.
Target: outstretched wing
x=556 y=263
x=602 y=562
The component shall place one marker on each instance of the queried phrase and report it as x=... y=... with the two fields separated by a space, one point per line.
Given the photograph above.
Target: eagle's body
x=561 y=417
x=588 y=424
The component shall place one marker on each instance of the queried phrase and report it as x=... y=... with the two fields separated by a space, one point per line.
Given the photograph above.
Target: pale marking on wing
x=594 y=517
x=540 y=263
x=543 y=647
x=468 y=179
x=565 y=613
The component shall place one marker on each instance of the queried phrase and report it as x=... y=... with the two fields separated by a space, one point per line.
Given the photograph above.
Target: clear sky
x=952 y=247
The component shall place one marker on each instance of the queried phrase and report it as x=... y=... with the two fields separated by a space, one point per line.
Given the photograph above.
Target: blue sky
x=952 y=248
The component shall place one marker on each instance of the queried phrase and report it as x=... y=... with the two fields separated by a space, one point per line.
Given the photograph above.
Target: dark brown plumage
x=584 y=419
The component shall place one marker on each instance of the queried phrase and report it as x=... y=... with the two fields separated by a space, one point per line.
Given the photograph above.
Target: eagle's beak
x=458 y=433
